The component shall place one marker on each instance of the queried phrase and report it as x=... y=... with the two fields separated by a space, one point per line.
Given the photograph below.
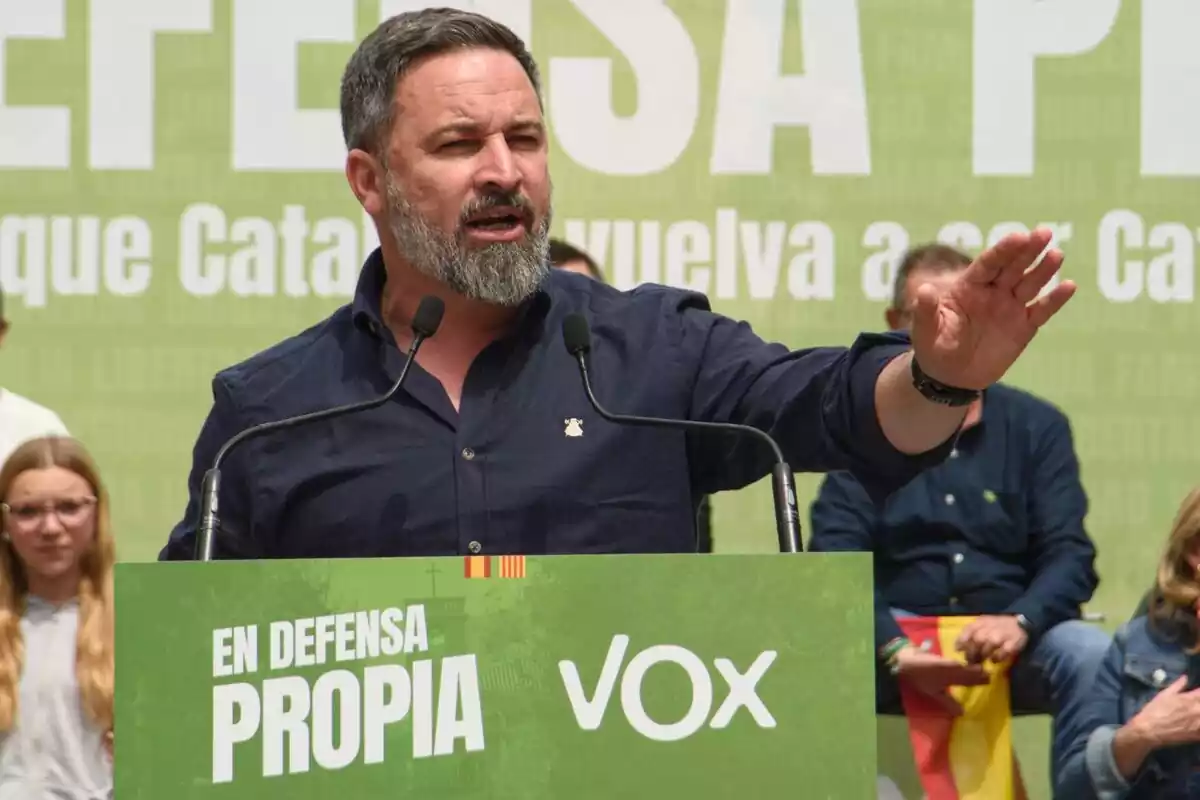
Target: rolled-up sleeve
x=818 y=403
x=1106 y=779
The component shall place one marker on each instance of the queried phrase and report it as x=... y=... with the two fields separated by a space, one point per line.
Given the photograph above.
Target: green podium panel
x=496 y=677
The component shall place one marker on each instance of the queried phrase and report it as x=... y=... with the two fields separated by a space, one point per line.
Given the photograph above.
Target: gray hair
x=393 y=48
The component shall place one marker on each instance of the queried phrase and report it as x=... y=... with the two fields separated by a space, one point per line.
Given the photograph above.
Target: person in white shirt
x=22 y=419
x=56 y=625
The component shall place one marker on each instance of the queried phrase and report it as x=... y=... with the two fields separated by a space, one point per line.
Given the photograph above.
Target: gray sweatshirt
x=54 y=752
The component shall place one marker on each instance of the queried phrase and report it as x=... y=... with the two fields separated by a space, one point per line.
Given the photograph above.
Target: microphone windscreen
x=429 y=316
x=576 y=335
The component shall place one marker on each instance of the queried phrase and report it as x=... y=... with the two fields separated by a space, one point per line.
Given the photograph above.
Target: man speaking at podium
x=492 y=446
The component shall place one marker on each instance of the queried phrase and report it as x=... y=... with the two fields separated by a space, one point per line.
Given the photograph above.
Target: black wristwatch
x=939 y=392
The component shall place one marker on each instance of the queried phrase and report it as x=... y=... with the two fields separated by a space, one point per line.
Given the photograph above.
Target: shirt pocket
x=1146 y=676
x=1000 y=519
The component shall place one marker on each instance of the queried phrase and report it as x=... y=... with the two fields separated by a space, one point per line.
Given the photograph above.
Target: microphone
x=577 y=338
x=424 y=325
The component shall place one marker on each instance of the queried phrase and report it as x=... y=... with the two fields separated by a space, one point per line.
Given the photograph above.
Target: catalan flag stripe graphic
x=512 y=566
x=477 y=567
x=969 y=757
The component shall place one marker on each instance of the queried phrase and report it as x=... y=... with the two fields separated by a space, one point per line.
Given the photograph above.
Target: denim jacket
x=1143 y=660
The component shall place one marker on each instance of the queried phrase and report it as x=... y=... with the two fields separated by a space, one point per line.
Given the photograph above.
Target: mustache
x=487 y=202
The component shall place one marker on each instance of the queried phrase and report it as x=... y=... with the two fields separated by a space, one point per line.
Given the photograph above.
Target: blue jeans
x=1052 y=676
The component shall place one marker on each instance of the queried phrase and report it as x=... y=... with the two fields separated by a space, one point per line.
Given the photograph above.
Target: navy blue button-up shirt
x=525 y=465
x=996 y=528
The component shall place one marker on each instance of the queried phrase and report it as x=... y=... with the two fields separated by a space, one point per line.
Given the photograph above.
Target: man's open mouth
x=497 y=219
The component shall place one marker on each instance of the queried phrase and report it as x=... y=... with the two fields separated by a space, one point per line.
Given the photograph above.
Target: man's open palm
x=969 y=335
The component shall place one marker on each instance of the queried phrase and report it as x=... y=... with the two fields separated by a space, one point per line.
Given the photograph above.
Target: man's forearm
x=910 y=421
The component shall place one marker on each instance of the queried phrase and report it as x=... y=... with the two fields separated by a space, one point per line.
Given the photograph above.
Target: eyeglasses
x=70 y=511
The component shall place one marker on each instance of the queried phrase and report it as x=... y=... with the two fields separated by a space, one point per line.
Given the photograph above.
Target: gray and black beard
x=502 y=273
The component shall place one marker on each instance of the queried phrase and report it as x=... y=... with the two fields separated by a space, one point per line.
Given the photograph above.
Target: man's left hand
x=999 y=638
x=968 y=335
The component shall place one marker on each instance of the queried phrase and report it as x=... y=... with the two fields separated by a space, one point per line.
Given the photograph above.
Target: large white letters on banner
x=121 y=74
x=667 y=70
x=269 y=131
x=1009 y=37
x=829 y=98
x=515 y=14
x=1170 y=89
x=32 y=137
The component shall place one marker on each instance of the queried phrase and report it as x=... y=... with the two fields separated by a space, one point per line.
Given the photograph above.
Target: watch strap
x=938 y=392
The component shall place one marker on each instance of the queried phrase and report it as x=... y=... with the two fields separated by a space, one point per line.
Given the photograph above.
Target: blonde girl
x=56 y=631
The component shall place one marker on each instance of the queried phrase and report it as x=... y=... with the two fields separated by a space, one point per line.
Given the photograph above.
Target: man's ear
x=365 y=176
x=895 y=319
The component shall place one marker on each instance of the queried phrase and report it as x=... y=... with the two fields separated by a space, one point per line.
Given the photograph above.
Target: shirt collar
x=366 y=308
x=987 y=411
x=40 y=606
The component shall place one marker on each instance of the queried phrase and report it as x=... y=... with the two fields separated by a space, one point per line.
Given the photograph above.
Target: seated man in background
x=995 y=531
x=22 y=419
x=566 y=256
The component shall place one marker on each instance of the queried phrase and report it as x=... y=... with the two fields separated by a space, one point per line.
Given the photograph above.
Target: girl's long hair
x=1173 y=602
x=94 y=642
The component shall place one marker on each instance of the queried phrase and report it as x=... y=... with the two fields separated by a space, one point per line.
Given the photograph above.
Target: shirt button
x=953 y=601
x=475 y=547
x=468 y=453
x=958 y=558
x=954 y=453
x=949 y=499
x=1160 y=677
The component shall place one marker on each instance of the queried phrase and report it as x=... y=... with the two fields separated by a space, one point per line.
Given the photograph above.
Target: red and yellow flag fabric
x=477 y=566
x=968 y=757
x=512 y=566
x=481 y=566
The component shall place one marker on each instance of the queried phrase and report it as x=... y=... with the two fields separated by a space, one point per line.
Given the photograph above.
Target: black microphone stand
x=783 y=484
x=425 y=324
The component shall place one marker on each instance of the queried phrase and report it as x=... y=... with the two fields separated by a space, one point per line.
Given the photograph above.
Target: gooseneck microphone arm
x=424 y=325
x=577 y=338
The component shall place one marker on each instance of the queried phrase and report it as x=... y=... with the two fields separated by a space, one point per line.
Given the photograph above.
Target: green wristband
x=893 y=647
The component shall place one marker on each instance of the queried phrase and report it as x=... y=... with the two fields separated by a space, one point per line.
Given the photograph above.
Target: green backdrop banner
x=531 y=678
x=171 y=200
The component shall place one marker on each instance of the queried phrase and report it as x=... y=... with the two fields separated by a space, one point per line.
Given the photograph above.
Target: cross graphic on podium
x=433 y=573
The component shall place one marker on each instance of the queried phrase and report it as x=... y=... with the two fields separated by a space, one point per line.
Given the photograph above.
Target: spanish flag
x=968 y=757
x=477 y=566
